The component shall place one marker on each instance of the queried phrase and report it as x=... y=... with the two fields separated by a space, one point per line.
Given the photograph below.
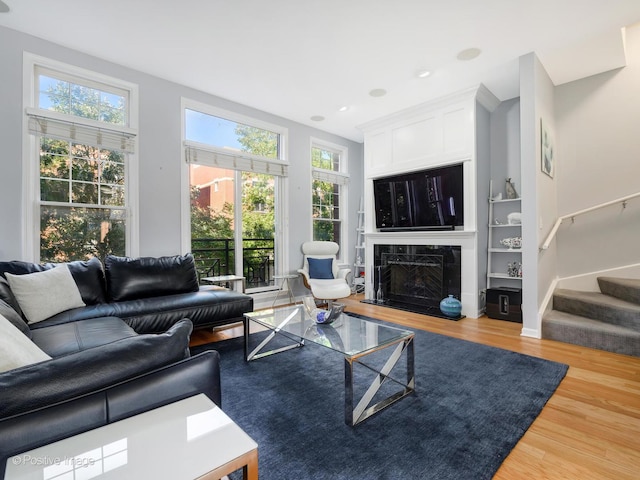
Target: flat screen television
x=426 y=200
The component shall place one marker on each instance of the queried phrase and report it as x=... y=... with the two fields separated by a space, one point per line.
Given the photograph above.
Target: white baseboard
x=530 y=332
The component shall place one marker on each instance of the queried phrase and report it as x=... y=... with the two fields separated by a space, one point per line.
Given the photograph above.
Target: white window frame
x=281 y=243
x=31 y=147
x=341 y=177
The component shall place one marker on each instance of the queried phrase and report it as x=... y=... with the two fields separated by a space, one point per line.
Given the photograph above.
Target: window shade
x=204 y=155
x=329 y=176
x=50 y=124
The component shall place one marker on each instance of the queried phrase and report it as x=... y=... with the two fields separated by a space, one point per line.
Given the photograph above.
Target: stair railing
x=573 y=215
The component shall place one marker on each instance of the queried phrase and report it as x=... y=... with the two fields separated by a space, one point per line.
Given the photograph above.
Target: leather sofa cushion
x=135 y=278
x=74 y=337
x=88 y=275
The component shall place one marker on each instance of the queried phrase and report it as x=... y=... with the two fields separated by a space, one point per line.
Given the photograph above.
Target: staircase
x=606 y=320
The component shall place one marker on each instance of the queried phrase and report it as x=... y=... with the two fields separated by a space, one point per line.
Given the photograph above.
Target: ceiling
x=306 y=58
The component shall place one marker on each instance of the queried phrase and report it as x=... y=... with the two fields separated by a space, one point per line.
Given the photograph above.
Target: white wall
x=159 y=153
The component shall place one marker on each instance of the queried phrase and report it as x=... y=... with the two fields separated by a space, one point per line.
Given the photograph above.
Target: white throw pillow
x=43 y=294
x=16 y=349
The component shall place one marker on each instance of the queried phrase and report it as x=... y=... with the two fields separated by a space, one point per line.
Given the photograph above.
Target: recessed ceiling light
x=343 y=108
x=378 y=92
x=317 y=118
x=423 y=73
x=468 y=54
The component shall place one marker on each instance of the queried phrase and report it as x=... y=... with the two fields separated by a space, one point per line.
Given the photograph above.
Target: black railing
x=216 y=256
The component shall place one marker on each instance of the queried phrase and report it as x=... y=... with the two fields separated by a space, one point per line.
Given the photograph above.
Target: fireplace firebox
x=416 y=277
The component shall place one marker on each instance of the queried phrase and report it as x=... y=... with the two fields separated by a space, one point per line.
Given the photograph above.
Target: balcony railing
x=216 y=256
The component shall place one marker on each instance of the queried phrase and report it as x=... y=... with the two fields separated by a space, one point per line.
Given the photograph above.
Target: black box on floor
x=505 y=303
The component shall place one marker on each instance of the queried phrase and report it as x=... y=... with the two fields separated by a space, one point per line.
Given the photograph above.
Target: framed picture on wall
x=547 y=150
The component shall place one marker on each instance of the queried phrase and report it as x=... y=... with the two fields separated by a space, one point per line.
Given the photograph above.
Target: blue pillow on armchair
x=320 y=268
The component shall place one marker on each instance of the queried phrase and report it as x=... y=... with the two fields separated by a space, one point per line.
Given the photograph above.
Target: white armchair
x=321 y=273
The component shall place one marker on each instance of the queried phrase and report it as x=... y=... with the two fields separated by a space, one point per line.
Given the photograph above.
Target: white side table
x=226 y=279
x=185 y=440
x=285 y=287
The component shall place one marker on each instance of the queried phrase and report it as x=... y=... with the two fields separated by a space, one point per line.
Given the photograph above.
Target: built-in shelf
x=503 y=275
x=505 y=200
x=514 y=229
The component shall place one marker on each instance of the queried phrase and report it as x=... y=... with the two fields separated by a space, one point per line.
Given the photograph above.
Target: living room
x=592 y=120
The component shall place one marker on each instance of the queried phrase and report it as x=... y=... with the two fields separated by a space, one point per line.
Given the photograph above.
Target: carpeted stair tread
x=588 y=332
x=624 y=288
x=598 y=306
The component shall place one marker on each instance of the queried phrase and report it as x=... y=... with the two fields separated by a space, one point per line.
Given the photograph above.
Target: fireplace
x=416 y=277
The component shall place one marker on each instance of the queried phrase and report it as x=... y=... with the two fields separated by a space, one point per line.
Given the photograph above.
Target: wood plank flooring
x=589 y=429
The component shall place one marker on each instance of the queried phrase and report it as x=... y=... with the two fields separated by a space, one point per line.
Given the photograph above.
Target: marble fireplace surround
x=469 y=274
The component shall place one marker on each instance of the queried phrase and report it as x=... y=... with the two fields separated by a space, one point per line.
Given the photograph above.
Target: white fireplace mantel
x=466 y=240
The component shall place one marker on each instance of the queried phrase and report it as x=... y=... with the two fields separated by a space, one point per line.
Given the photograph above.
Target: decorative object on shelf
x=510 y=189
x=514 y=218
x=514 y=269
x=497 y=197
x=547 y=150
x=512 y=242
x=451 y=306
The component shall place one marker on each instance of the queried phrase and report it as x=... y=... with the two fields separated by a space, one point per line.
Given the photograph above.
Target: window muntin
x=81 y=174
x=82 y=186
x=327 y=193
x=325 y=159
x=326 y=211
x=80 y=98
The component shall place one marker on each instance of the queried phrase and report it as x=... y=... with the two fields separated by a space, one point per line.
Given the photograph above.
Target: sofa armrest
x=29 y=430
x=69 y=376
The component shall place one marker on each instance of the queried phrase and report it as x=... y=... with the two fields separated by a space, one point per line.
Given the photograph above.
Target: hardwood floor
x=589 y=429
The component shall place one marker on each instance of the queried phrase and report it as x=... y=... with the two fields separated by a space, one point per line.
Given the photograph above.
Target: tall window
x=83 y=145
x=235 y=172
x=328 y=191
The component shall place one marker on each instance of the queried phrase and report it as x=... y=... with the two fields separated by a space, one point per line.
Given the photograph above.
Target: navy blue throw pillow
x=320 y=268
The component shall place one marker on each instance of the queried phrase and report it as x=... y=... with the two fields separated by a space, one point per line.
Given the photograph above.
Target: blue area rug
x=472 y=405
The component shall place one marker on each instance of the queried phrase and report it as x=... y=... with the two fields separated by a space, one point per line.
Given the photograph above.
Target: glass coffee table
x=354 y=338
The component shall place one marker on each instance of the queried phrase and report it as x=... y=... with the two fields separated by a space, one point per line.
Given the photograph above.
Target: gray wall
x=159 y=153
x=505 y=145
x=539 y=204
x=598 y=125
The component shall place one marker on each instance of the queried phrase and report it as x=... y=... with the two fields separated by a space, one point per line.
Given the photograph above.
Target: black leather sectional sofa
x=123 y=353
x=150 y=294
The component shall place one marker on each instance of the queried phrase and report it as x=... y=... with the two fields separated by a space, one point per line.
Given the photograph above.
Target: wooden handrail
x=559 y=221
